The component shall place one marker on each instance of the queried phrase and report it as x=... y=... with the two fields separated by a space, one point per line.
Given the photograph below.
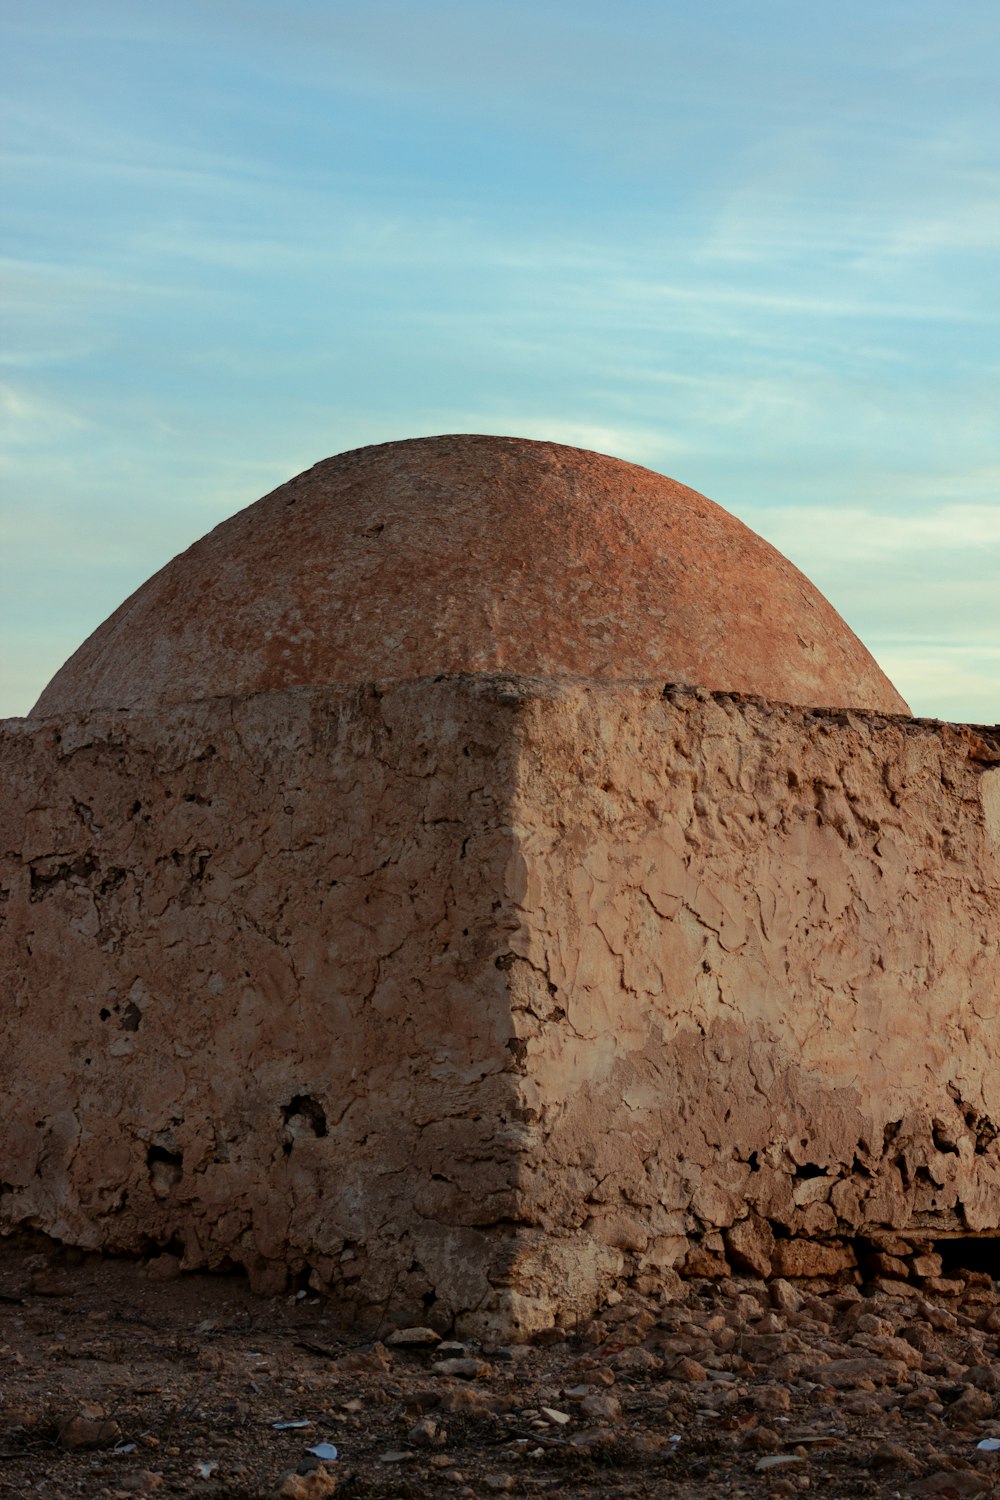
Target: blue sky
x=752 y=244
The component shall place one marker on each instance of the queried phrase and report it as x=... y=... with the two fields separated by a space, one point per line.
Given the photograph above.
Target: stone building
x=482 y=874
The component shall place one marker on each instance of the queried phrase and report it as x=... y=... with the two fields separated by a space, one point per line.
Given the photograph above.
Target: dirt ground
x=120 y=1379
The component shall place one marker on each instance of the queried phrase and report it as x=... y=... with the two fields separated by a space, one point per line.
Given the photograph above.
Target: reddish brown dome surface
x=473 y=554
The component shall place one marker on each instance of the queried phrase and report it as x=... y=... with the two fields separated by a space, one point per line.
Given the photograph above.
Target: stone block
x=811 y=1258
x=750 y=1245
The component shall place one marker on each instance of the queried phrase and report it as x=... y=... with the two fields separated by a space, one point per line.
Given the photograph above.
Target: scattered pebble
x=413 y=1338
x=426 y=1434
x=465 y=1369
x=83 y=1431
x=737 y=1387
x=601 y=1408
x=315 y=1485
x=141 y=1481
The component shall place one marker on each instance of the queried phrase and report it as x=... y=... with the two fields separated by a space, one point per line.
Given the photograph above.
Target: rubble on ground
x=116 y=1383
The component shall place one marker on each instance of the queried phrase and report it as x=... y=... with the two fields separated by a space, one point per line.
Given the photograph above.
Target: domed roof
x=473 y=554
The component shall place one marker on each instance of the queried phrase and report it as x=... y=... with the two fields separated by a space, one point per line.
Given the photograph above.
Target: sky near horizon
x=754 y=245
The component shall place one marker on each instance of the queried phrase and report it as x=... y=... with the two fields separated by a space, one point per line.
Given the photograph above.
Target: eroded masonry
x=469 y=997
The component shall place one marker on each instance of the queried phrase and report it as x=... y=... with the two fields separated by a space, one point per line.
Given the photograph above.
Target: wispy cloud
x=850 y=533
x=28 y=419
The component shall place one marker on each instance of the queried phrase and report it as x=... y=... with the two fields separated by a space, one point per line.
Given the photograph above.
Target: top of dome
x=473 y=554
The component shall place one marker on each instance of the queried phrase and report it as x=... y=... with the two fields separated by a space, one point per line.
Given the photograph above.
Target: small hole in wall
x=173 y=1246
x=753 y=1162
x=944 y=1140
x=166 y=1168
x=131 y=1016
x=303 y=1116
x=158 y=1153
x=922 y=1175
x=810 y=1169
x=973 y=1254
x=104 y=1013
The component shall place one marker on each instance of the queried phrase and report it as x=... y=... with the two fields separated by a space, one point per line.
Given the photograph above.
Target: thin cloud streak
x=854 y=534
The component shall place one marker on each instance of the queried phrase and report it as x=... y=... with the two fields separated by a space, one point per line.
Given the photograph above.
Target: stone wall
x=757 y=978
x=473 y=998
x=250 y=999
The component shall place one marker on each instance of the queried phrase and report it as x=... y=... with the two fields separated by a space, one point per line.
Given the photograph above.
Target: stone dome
x=473 y=554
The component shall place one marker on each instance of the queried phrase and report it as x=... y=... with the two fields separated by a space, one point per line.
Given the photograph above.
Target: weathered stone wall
x=478 y=996
x=249 y=993
x=760 y=976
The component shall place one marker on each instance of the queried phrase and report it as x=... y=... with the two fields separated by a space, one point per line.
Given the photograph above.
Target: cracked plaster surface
x=250 y=998
x=761 y=971
x=474 y=998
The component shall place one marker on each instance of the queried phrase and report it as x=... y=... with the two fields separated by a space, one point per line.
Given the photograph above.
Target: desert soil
x=122 y=1379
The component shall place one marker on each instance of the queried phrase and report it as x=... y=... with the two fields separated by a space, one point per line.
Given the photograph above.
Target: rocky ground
x=121 y=1380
